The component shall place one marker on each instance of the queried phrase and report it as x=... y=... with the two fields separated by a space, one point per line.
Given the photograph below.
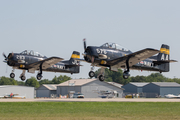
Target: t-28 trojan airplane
x=114 y=56
x=32 y=61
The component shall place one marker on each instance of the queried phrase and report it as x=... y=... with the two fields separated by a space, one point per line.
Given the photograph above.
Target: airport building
x=134 y=87
x=18 y=91
x=90 y=88
x=159 y=89
x=46 y=90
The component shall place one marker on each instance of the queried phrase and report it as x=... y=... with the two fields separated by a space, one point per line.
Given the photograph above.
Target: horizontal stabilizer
x=80 y=59
x=72 y=65
x=164 y=61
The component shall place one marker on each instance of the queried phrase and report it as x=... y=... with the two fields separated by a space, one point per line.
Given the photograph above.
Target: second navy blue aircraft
x=32 y=61
x=114 y=56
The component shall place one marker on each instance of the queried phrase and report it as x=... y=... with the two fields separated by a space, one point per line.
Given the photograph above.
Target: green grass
x=89 y=110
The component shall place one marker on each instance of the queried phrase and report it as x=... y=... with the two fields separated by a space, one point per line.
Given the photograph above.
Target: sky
x=58 y=27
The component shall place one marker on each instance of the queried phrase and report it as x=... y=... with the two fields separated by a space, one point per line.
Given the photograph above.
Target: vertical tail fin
x=74 y=62
x=164 y=56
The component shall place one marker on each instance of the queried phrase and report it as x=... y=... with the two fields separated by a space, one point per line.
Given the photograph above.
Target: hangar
x=26 y=91
x=91 y=88
x=160 y=89
x=46 y=90
x=134 y=87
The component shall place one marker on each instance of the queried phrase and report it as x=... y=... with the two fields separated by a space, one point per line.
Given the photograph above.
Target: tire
x=23 y=78
x=39 y=76
x=91 y=74
x=101 y=78
x=125 y=76
x=12 y=75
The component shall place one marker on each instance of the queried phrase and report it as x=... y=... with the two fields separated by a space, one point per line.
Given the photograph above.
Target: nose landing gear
x=22 y=76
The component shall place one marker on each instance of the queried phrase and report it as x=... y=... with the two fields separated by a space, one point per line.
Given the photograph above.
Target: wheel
x=125 y=76
x=39 y=76
x=91 y=74
x=101 y=78
x=12 y=75
x=23 y=77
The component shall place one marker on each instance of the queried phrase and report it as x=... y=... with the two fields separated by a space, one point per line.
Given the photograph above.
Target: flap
x=45 y=63
x=134 y=58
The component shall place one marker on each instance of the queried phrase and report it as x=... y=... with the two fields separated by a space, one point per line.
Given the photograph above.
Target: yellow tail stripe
x=164 y=50
x=75 y=56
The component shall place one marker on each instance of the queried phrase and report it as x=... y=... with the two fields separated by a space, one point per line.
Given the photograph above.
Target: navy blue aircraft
x=114 y=56
x=32 y=61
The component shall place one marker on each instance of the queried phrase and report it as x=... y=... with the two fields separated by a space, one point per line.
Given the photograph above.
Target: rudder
x=75 y=64
x=164 y=56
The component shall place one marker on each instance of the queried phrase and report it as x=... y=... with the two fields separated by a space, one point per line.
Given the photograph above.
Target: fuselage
x=20 y=61
x=99 y=56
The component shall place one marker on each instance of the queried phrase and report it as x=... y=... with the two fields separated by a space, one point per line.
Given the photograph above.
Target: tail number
x=75 y=62
x=163 y=57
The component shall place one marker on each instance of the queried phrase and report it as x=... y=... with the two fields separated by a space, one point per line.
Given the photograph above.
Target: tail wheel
x=12 y=75
x=91 y=74
x=101 y=78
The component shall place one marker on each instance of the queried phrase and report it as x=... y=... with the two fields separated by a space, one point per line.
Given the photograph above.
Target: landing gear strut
x=126 y=72
x=39 y=75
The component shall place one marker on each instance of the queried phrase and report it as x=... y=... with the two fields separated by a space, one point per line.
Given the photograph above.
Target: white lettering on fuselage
x=20 y=57
x=58 y=66
x=101 y=51
x=146 y=63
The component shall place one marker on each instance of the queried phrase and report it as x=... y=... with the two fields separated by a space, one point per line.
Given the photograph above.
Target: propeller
x=5 y=57
x=84 y=44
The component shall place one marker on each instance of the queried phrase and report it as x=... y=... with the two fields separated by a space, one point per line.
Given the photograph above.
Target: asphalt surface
x=92 y=100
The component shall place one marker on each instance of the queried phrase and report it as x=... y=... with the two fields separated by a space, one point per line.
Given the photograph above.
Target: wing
x=134 y=58
x=45 y=63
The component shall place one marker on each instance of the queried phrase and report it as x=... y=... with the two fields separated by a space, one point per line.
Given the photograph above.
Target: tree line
x=33 y=82
x=110 y=76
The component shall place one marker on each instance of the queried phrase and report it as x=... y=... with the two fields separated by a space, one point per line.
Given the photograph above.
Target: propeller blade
x=84 y=43
x=4 y=55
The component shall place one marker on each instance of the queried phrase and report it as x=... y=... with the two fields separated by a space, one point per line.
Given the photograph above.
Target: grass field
x=89 y=110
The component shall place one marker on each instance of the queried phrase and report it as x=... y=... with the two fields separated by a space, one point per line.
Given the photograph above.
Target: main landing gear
x=22 y=76
x=39 y=75
x=126 y=72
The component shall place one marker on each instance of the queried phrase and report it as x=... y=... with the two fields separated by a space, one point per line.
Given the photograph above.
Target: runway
x=93 y=100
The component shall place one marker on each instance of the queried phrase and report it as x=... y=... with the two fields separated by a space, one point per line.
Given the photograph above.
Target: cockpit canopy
x=31 y=52
x=114 y=46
